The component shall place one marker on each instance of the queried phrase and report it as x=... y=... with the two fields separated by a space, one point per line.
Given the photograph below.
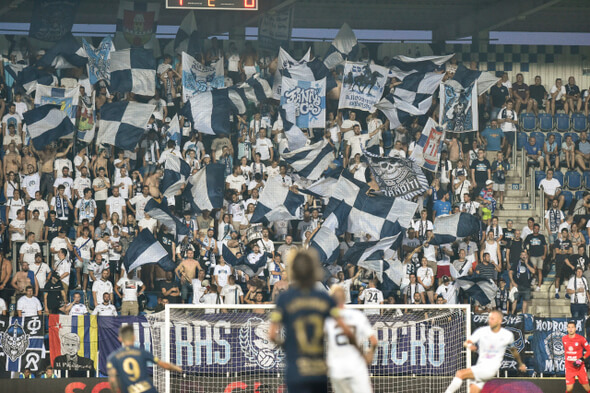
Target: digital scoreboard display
x=238 y=5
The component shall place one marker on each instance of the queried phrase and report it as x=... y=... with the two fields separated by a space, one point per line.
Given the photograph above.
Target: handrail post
x=522 y=169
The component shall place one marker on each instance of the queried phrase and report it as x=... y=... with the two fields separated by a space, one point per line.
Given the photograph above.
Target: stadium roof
x=447 y=19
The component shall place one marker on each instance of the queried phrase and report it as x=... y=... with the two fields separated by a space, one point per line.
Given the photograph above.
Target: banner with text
x=429 y=146
x=198 y=78
x=308 y=99
x=362 y=86
x=547 y=345
x=108 y=336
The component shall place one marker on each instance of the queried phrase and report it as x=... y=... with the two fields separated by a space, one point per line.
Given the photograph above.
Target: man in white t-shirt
x=236 y=181
x=102 y=286
x=17 y=227
x=31 y=183
x=139 y=201
x=28 y=305
x=29 y=249
x=232 y=293
x=372 y=296
x=105 y=308
x=221 y=272
x=116 y=204
x=355 y=142
x=129 y=289
x=264 y=147
x=76 y=307
x=124 y=182
x=556 y=99
x=447 y=290
x=552 y=189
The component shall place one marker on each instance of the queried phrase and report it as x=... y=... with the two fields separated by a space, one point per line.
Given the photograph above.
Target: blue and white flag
x=323 y=188
x=310 y=71
x=66 y=99
x=137 y=21
x=133 y=70
x=161 y=212
x=427 y=151
x=449 y=228
x=198 y=78
x=308 y=99
x=66 y=53
x=46 y=124
x=284 y=61
x=14 y=69
x=187 y=38
x=52 y=19
x=344 y=47
x=99 y=60
x=277 y=202
x=122 y=124
x=23 y=344
x=413 y=97
x=355 y=209
x=31 y=76
x=402 y=66
x=389 y=273
x=254 y=90
x=312 y=160
x=205 y=188
x=210 y=112
x=173 y=132
x=362 y=86
x=145 y=249
x=274 y=29
x=326 y=243
x=176 y=172
x=458 y=99
x=296 y=139
x=373 y=250
x=482 y=290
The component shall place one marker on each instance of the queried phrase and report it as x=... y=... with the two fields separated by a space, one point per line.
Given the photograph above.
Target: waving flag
x=427 y=151
x=52 y=19
x=176 y=171
x=145 y=249
x=14 y=69
x=311 y=161
x=99 y=60
x=133 y=70
x=449 y=228
x=66 y=99
x=296 y=139
x=205 y=188
x=402 y=66
x=277 y=202
x=66 y=53
x=310 y=71
x=122 y=124
x=354 y=209
x=374 y=250
x=198 y=78
x=344 y=47
x=284 y=61
x=81 y=330
x=209 y=112
x=274 y=29
x=242 y=264
x=362 y=86
x=161 y=212
x=138 y=21
x=255 y=90
x=308 y=99
x=30 y=77
x=187 y=38
x=482 y=290
x=326 y=243
x=46 y=124
x=87 y=120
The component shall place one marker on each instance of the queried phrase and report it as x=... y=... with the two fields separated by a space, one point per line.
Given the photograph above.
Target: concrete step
x=555 y=303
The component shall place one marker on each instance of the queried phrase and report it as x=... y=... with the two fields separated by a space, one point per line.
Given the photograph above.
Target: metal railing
x=542 y=206
x=522 y=167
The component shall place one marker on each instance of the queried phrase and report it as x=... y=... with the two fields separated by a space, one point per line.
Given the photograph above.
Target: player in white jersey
x=372 y=295
x=347 y=365
x=490 y=342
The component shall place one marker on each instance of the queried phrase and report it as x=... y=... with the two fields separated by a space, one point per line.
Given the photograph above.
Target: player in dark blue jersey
x=127 y=366
x=302 y=310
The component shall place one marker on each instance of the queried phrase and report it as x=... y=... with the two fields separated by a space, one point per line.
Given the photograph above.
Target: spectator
x=41 y=270
x=485 y=269
x=447 y=290
x=21 y=280
x=573 y=95
x=371 y=296
x=583 y=151
x=534 y=154
x=551 y=152
x=75 y=307
x=538 y=95
x=562 y=251
x=211 y=296
x=557 y=99
x=29 y=249
x=422 y=226
x=425 y=277
x=568 y=149
x=520 y=93
x=170 y=289
x=105 y=309
x=536 y=245
x=492 y=138
x=48 y=374
x=487 y=201
x=481 y=172
x=101 y=287
x=577 y=288
x=28 y=305
x=521 y=273
x=232 y=293
x=412 y=289
x=554 y=217
x=508 y=120
x=500 y=168
x=498 y=96
x=54 y=294
x=502 y=297
x=129 y=288
x=552 y=189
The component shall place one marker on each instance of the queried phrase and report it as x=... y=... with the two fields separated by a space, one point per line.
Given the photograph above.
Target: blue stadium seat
x=562 y=122
x=574 y=135
x=579 y=194
x=521 y=139
x=558 y=175
x=587 y=180
x=152 y=301
x=545 y=122
x=573 y=180
x=528 y=121
x=540 y=137
x=539 y=175
x=568 y=198
x=579 y=122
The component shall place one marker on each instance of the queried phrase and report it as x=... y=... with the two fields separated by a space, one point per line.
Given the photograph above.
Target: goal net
x=226 y=349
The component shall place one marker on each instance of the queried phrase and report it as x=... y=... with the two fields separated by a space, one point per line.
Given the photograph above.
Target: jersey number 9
x=131 y=368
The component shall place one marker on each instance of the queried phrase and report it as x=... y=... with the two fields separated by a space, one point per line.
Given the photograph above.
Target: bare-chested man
x=153 y=183
x=101 y=161
x=5 y=273
x=186 y=272
x=12 y=160
x=22 y=280
x=248 y=61
x=29 y=158
x=47 y=157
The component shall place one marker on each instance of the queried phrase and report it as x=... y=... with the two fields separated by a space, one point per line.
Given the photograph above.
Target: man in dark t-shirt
x=481 y=171
x=536 y=245
x=538 y=93
x=520 y=93
x=498 y=94
x=562 y=248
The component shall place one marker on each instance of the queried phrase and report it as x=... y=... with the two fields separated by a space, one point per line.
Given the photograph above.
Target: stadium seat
x=579 y=122
x=562 y=122
x=579 y=195
x=587 y=180
x=539 y=175
x=573 y=180
x=545 y=122
x=568 y=198
x=558 y=175
x=521 y=139
x=528 y=122
x=574 y=135
x=540 y=137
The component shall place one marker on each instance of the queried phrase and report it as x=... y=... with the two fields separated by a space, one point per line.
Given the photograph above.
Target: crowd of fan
x=86 y=203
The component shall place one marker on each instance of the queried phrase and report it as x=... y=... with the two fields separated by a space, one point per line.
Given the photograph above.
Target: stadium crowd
x=70 y=211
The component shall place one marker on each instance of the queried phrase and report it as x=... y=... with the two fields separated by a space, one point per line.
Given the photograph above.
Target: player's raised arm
x=169 y=366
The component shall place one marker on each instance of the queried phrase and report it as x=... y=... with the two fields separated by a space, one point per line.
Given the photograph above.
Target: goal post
x=225 y=348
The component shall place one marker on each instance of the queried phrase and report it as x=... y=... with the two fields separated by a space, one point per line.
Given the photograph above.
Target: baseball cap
x=102 y=222
x=445 y=278
x=167 y=120
x=206 y=156
x=488 y=182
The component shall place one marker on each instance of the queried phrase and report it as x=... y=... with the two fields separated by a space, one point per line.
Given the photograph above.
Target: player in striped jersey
x=347 y=364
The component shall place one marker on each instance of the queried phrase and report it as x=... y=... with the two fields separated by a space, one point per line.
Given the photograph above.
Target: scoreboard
x=239 y=5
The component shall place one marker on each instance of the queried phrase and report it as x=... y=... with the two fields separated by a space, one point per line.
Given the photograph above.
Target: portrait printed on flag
x=458 y=110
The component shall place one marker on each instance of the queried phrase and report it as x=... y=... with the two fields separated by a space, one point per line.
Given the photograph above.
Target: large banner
x=67 y=99
x=73 y=343
x=21 y=344
x=138 y=21
x=98 y=65
x=547 y=345
x=52 y=19
x=458 y=107
x=516 y=325
x=285 y=61
x=108 y=336
x=274 y=29
x=198 y=78
x=87 y=119
x=427 y=151
x=308 y=99
x=362 y=86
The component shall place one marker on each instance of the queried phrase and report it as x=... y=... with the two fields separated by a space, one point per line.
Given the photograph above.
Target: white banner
x=198 y=78
x=274 y=29
x=308 y=99
x=362 y=86
x=285 y=61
